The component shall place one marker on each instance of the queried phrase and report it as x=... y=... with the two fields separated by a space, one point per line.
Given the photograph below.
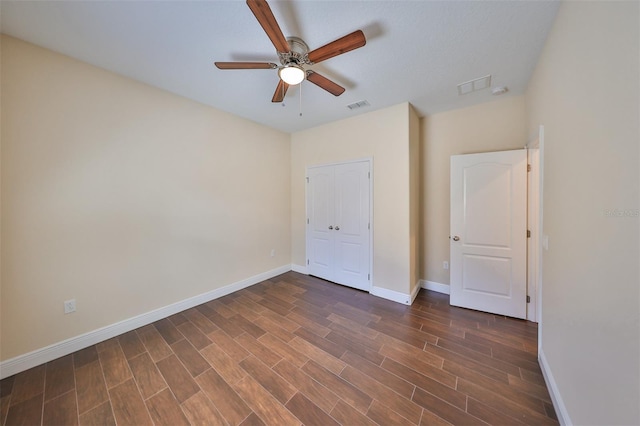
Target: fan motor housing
x=297 y=54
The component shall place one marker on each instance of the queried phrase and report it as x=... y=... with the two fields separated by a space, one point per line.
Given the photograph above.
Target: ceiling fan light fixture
x=291 y=74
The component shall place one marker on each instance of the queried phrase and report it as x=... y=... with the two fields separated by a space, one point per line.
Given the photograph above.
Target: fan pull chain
x=300 y=99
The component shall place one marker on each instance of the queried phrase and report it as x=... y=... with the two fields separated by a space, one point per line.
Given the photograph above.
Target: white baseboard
x=434 y=286
x=556 y=398
x=65 y=347
x=300 y=269
x=392 y=295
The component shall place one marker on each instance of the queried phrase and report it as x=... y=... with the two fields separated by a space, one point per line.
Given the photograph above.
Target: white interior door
x=320 y=219
x=351 y=229
x=488 y=232
x=338 y=234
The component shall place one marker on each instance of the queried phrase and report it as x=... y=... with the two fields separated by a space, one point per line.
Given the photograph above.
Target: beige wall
x=125 y=197
x=493 y=126
x=585 y=92
x=384 y=136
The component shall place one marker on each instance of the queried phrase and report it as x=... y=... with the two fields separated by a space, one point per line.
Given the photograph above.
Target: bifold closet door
x=338 y=229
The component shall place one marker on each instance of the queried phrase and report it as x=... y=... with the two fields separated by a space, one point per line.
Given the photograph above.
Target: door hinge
x=528 y=299
x=369 y=175
x=368 y=277
x=528 y=232
x=369 y=225
x=307 y=221
x=528 y=167
x=307 y=179
x=307 y=261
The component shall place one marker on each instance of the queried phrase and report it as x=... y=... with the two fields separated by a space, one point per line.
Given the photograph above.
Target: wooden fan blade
x=245 y=65
x=263 y=14
x=281 y=90
x=342 y=45
x=324 y=83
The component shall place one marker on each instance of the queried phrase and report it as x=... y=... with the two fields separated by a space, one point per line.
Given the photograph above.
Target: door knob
x=337 y=228
x=330 y=227
x=456 y=238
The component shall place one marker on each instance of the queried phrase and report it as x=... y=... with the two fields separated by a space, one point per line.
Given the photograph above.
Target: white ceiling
x=416 y=51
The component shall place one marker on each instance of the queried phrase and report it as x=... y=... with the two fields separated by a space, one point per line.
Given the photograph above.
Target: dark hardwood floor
x=296 y=350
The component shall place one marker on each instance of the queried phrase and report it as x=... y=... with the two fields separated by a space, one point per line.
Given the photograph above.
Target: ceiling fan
x=294 y=53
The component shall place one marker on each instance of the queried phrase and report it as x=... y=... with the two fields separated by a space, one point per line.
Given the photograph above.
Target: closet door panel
x=338 y=234
x=352 y=224
x=320 y=211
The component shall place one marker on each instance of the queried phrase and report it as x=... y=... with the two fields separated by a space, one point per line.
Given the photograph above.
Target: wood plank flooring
x=296 y=350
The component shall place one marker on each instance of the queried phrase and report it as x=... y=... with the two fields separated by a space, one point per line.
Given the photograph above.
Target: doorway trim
x=533 y=160
x=307 y=242
x=535 y=157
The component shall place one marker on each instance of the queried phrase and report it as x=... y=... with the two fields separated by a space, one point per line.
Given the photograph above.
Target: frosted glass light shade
x=291 y=74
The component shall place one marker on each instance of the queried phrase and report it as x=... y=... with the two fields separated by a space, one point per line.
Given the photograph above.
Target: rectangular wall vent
x=358 y=104
x=474 y=85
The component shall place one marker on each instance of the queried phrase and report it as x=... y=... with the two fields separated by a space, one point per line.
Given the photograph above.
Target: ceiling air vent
x=474 y=85
x=358 y=104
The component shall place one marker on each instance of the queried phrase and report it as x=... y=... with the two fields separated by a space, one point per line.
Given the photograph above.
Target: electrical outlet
x=69 y=306
x=445 y=265
x=273 y=252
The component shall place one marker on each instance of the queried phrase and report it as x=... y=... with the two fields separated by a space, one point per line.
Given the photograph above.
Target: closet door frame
x=369 y=161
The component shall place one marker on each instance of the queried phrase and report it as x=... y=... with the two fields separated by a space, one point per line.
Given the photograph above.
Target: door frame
x=535 y=157
x=307 y=242
x=533 y=200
